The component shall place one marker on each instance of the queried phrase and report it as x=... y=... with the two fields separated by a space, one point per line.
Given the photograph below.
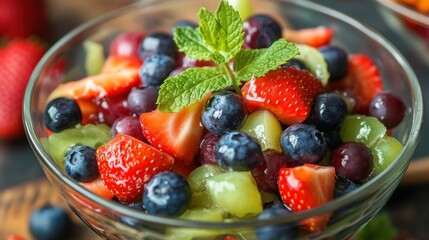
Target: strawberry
x=23 y=18
x=90 y=111
x=362 y=82
x=14 y=237
x=98 y=187
x=117 y=63
x=17 y=61
x=287 y=92
x=176 y=133
x=126 y=164
x=98 y=86
x=119 y=75
x=306 y=187
x=315 y=37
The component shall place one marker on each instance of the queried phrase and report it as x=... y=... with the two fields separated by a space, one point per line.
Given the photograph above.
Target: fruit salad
x=187 y=122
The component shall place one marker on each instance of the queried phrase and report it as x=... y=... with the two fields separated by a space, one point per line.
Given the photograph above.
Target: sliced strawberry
x=184 y=169
x=126 y=164
x=288 y=93
x=117 y=63
x=119 y=75
x=362 y=82
x=305 y=187
x=315 y=37
x=176 y=133
x=98 y=187
x=89 y=111
x=14 y=237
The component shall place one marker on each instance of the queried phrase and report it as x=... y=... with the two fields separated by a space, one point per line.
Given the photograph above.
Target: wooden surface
x=17 y=203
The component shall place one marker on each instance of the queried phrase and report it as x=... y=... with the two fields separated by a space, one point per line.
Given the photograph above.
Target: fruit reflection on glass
x=225 y=120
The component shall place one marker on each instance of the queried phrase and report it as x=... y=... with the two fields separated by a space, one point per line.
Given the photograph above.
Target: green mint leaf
x=222 y=32
x=189 y=41
x=256 y=63
x=230 y=22
x=210 y=29
x=190 y=86
x=380 y=228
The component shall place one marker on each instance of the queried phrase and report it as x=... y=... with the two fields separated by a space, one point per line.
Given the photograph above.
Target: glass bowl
x=406 y=12
x=114 y=221
x=415 y=21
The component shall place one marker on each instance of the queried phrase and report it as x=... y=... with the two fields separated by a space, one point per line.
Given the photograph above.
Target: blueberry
x=158 y=43
x=62 y=113
x=333 y=138
x=278 y=231
x=328 y=111
x=156 y=69
x=223 y=112
x=274 y=204
x=185 y=23
x=260 y=31
x=131 y=221
x=298 y=64
x=141 y=100
x=303 y=143
x=343 y=186
x=81 y=163
x=238 y=151
x=337 y=61
x=167 y=194
x=49 y=223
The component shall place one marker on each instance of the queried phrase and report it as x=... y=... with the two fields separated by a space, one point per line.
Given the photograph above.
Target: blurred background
x=23 y=186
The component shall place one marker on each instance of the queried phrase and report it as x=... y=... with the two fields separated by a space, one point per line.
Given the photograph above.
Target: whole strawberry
x=17 y=61
x=23 y=18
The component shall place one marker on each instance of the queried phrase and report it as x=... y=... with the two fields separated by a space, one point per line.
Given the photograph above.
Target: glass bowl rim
x=406 y=12
x=117 y=208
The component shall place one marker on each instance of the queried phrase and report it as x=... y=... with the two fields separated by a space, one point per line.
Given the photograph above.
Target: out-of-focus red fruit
x=23 y=18
x=127 y=44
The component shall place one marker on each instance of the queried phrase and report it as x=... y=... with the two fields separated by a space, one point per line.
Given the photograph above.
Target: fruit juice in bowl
x=166 y=120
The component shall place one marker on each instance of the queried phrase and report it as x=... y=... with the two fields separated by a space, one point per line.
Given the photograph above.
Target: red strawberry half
x=288 y=93
x=362 y=82
x=126 y=164
x=305 y=187
x=315 y=37
x=177 y=133
x=17 y=61
x=119 y=75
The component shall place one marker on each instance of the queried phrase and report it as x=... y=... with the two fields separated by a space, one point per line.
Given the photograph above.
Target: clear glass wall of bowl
x=113 y=221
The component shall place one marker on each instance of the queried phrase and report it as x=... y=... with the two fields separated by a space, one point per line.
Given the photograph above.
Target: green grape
x=201 y=215
x=197 y=178
x=94 y=57
x=385 y=152
x=364 y=129
x=265 y=127
x=201 y=200
x=235 y=193
x=89 y=135
x=243 y=7
x=314 y=60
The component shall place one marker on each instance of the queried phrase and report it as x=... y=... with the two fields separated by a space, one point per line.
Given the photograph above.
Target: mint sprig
x=190 y=86
x=219 y=38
